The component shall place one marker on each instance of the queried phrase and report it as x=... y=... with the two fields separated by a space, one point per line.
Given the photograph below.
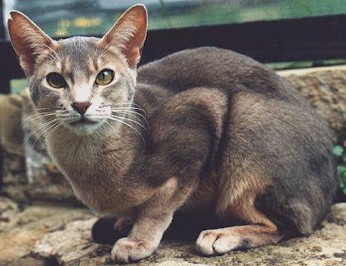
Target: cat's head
x=80 y=82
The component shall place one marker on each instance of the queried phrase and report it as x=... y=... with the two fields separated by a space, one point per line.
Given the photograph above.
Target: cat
x=204 y=129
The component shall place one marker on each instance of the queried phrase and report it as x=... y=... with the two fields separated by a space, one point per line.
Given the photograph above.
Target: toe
x=129 y=250
x=205 y=242
x=224 y=244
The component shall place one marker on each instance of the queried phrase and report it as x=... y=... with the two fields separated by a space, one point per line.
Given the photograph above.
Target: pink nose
x=81 y=107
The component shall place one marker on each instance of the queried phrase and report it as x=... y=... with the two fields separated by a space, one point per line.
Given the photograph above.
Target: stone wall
x=46 y=235
x=30 y=175
x=325 y=88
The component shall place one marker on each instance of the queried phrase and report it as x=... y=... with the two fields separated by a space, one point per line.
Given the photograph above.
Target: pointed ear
x=28 y=40
x=129 y=33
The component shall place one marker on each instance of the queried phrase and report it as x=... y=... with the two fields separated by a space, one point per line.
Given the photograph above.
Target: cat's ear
x=129 y=33
x=28 y=40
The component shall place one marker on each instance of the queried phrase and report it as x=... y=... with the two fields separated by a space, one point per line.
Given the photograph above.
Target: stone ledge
x=21 y=228
x=325 y=89
x=48 y=235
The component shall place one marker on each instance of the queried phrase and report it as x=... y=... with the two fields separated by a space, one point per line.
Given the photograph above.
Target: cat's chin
x=84 y=127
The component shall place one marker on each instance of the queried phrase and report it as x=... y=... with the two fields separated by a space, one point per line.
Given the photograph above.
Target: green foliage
x=339 y=152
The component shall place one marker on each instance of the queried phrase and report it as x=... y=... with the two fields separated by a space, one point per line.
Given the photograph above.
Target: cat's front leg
x=143 y=239
x=152 y=220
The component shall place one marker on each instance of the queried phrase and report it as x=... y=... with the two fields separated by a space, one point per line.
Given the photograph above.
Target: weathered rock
x=325 y=88
x=21 y=228
x=73 y=246
x=11 y=138
x=33 y=177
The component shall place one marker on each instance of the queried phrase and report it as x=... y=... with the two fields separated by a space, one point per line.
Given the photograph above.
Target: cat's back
x=195 y=67
x=216 y=68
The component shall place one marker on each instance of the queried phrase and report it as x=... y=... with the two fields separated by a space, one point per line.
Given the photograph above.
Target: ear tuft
x=129 y=33
x=27 y=39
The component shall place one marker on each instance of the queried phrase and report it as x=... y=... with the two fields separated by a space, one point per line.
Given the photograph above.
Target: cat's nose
x=81 y=107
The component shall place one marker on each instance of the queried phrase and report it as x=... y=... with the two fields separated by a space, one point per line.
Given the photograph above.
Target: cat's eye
x=105 y=77
x=55 y=80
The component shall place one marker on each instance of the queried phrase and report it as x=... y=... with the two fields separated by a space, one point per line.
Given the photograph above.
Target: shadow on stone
x=185 y=226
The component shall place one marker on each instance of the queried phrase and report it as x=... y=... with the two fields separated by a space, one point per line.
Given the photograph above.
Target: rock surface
x=11 y=138
x=52 y=235
x=325 y=89
x=31 y=175
x=21 y=227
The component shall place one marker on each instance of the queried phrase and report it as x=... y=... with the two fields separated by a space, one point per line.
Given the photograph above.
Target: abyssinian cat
x=205 y=129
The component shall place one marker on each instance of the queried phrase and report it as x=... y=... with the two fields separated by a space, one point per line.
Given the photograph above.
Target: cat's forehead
x=77 y=46
x=84 y=54
x=78 y=53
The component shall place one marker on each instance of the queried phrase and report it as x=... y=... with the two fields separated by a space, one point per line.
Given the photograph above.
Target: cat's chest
x=76 y=159
x=97 y=172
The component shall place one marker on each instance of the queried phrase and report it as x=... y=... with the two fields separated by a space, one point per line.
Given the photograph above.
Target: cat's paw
x=214 y=242
x=129 y=250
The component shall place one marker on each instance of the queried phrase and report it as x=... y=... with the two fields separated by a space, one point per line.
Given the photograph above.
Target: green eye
x=55 y=80
x=105 y=77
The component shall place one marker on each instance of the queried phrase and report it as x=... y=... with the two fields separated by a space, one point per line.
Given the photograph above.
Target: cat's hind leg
x=260 y=231
x=238 y=191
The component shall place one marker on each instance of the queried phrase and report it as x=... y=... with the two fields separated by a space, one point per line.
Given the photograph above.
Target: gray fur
x=205 y=129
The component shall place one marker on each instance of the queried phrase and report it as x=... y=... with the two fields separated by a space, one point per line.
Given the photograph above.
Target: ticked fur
x=200 y=130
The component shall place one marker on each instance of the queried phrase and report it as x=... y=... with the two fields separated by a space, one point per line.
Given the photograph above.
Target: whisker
x=128 y=104
x=131 y=120
x=40 y=114
x=127 y=124
x=108 y=124
x=48 y=108
x=128 y=111
x=135 y=104
x=29 y=119
x=58 y=125
x=44 y=132
x=61 y=111
x=41 y=128
x=65 y=115
x=134 y=115
x=129 y=108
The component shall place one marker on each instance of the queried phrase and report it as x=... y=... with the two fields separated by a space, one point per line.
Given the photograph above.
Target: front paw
x=129 y=250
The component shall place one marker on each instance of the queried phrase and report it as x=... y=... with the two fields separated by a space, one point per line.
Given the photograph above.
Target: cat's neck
x=97 y=164
x=73 y=150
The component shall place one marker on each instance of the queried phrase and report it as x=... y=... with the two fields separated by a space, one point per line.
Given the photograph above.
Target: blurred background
x=307 y=47
x=93 y=17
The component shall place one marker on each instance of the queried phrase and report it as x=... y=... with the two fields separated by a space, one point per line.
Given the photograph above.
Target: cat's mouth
x=84 y=125
x=83 y=121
